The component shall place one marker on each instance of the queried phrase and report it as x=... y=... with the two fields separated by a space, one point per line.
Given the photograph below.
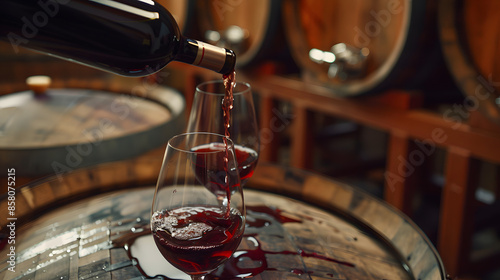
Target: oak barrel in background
x=470 y=32
x=252 y=28
x=300 y=225
x=183 y=13
x=359 y=47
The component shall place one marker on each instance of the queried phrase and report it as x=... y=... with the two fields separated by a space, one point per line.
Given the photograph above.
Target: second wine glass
x=207 y=116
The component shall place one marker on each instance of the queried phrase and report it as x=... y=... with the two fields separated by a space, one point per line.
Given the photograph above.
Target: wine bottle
x=125 y=37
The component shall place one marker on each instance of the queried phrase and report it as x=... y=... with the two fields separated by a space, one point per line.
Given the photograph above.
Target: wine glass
x=207 y=115
x=198 y=213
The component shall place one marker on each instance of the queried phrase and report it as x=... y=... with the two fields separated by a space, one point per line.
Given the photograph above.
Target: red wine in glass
x=197 y=239
x=227 y=108
x=247 y=160
x=214 y=180
x=246 y=157
x=195 y=230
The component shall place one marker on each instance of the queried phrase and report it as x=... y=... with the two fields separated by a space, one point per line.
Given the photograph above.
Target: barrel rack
x=466 y=143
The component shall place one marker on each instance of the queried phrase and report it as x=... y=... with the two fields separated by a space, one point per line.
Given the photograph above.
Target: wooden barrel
x=94 y=223
x=359 y=47
x=67 y=128
x=182 y=11
x=469 y=37
x=251 y=28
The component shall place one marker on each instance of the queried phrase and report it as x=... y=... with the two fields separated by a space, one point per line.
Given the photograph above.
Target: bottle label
x=210 y=56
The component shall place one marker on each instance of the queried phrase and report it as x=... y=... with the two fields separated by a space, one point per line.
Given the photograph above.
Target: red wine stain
x=232 y=269
x=281 y=217
x=277 y=214
x=297 y=271
x=318 y=256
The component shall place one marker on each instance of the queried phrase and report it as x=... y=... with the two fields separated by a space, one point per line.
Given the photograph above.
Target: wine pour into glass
x=207 y=115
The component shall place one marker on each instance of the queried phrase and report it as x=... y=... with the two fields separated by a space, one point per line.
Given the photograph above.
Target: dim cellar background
x=392 y=97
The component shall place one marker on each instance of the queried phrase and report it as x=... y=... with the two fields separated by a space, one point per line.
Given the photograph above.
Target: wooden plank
x=457 y=210
x=269 y=145
x=301 y=138
x=398 y=188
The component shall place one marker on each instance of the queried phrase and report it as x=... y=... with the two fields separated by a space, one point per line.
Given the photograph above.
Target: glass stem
x=197 y=277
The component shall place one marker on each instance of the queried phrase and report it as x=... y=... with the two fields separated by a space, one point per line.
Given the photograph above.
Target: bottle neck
x=207 y=56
